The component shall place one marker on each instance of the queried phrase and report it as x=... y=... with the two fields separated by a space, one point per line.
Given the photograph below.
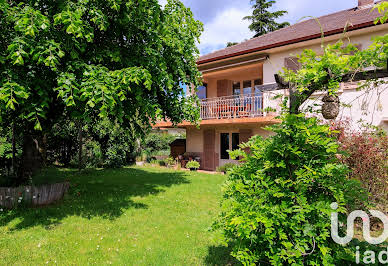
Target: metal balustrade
x=236 y=106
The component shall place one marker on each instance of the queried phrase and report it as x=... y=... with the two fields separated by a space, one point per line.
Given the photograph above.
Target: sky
x=223 y=19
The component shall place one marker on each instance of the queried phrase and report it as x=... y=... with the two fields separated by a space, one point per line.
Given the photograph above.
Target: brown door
x=209 y=150
x=222 y=88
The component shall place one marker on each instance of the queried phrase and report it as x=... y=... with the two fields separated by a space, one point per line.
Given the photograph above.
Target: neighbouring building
x=239 y=82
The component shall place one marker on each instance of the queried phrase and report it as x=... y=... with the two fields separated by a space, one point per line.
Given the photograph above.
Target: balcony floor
x=262 y=120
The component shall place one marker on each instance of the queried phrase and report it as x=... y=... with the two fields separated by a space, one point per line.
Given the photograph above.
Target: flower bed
x=32 y=195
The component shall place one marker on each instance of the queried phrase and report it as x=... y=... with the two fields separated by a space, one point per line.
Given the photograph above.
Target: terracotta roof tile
x=334 y=23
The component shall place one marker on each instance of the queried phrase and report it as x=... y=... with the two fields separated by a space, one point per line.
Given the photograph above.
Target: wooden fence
x=32 y=195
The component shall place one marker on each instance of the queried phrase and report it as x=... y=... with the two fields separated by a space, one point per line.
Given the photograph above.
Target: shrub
x=366 y=155
x=156 y=142
x=276 y=204
x=170 y=161
x=158 y=162
x=225 y=168
x=151 y=159
x=193 y=165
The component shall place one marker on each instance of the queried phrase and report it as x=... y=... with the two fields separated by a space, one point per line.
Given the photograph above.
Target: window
x=236 y=88
x=202 y=91
x=224 y=146
x=229 y=141
x=235 y=141
x=247 y=87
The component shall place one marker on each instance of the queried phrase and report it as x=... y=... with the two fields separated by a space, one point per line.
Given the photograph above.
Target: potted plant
x=193 y=165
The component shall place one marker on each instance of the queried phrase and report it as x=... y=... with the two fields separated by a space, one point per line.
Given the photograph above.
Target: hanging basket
x=330 y=107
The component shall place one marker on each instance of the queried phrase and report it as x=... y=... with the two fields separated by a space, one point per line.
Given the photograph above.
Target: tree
x=93 y=59
x=264 y=21
x=229 y=44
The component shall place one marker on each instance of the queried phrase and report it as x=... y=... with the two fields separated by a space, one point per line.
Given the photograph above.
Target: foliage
x=161 y=163
x=263 y=20
x=62 y=142
x=122 y=59
x=156 y=141
x=276 y=205
x=105 y=144
x=118 y=145
x=225 y=168
x=366 y=155
x=170 y=161
x=193 y=165
x=6 y=171
x=229 y=44
x=157 y=162
x=87 y=61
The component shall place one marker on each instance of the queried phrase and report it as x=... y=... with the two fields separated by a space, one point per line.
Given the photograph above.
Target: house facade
x=237 y=99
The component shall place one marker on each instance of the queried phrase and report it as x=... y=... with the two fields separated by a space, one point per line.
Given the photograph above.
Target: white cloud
x=227 y=26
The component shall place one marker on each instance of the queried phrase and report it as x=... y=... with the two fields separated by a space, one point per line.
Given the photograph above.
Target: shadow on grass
x=220 y=255
x=96 y=193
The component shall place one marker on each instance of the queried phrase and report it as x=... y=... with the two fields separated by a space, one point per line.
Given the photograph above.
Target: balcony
x=236 y=109
x=236 y=106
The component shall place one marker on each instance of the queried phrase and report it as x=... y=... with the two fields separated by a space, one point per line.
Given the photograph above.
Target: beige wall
x=370 y=107
x=194 y=142
x=275 y=63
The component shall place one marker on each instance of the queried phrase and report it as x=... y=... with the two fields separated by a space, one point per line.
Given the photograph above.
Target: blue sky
x=223 y=18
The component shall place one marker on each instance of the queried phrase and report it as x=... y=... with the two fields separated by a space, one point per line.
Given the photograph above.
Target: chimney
x=364 y=3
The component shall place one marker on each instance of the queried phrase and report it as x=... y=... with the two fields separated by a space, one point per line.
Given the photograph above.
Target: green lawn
x=132 y=216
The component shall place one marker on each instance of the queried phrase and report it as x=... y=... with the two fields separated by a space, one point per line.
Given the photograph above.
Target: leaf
x=38 y=125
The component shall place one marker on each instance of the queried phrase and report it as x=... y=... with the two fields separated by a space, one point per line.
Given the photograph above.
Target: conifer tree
x=263 y=20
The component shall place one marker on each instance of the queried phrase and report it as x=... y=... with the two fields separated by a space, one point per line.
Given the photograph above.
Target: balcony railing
x=236 y=106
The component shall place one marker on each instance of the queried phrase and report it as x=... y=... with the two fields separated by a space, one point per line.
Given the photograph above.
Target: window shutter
x=209 y=146
x=222 y=88
x=292 y=63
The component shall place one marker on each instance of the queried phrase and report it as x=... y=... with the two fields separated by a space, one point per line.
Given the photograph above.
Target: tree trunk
x=44 y=149
x=31 y=158
x=13 y=171
x=80 y=146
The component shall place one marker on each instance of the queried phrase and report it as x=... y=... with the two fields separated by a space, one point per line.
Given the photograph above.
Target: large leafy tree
x=118 y=59
x=263 y=20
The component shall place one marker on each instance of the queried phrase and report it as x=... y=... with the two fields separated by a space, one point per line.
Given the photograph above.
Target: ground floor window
x=228 y=141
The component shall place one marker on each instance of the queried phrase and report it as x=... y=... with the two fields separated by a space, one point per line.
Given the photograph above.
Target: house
x=239 y=82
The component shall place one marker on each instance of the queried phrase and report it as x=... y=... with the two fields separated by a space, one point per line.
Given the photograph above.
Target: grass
x=135 y=216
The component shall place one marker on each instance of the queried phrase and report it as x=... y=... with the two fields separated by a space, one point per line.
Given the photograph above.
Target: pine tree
x=229 y=44
x=264 y=21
